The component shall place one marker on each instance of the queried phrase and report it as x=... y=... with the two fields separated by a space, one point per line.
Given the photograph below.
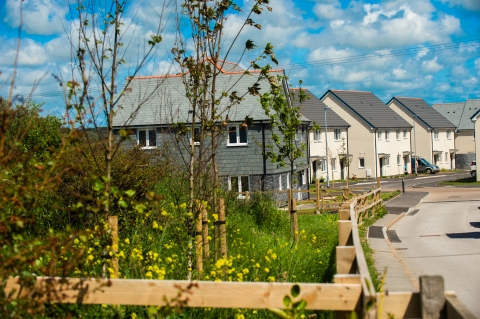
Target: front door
x=406 y=163
x=314 y=169
x=342 y=165
x=381 y=167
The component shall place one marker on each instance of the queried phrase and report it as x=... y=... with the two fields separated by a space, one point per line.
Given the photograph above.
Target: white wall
x=394 y=147
x=318 y=149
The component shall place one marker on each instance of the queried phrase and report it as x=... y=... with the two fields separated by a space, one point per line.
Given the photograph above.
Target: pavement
x=381 y=238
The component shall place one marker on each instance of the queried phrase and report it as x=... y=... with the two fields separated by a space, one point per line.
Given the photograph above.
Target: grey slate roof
x=161 y=100
x=459 y=113
x=427 y=114
x=370 y=108
x=314 y=110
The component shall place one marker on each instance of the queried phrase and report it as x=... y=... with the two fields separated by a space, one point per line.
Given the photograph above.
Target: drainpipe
x=264 y=158
x=348 y=158
x=431 y=137
x=415 y=141
x=376 y=152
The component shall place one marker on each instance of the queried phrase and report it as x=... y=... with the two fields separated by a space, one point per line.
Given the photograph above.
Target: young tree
x=345 y=157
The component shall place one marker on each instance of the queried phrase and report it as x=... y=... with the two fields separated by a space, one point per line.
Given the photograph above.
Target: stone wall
x=463 y=161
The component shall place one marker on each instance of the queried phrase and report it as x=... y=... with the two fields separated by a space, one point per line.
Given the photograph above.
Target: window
x=397 y=133
x=288 y=180
x=147 y=138
x=239 y=184
x=280 y=182
x=317 y=136
x=435 y=134
x=237 y=135
x=446 y=157
x=387 y=160
x=379 y=134
x=322 y=165
x=361 y=162
x=196 y=136
x=337 y=134
x=448 y=134
x=387 y=135
x=404 y=133
x=399 y=160
x=334 y=164
x=303 y=177
x=299 y=135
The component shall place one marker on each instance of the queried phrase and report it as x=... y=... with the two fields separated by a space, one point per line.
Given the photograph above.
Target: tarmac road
x=442 y=238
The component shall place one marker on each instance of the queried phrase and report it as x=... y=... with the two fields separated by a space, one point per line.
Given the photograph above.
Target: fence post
x=199 y=243
x=321 y=194
x=317 y=196
x=378 y=182
x=206 y=246
x=345 y=194
x=247 y=196
x=223 y=230
x=113 y=224
x=432 y=296
x=294 y=220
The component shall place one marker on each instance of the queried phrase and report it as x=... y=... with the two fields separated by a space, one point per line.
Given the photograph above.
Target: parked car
x=424 y=166
x=473 y=169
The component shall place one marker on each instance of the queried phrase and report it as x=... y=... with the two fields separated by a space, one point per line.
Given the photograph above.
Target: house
x=460 y=114
x=433 y=135
x=328 y=145
x=475 y=119
x=158 y=114
x=378 y=138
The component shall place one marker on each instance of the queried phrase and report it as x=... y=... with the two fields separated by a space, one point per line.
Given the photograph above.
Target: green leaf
x=300 y=305
x=123 y=203
x=130 y=192
x=295 y=291
x=279 y=313
x=287 y=301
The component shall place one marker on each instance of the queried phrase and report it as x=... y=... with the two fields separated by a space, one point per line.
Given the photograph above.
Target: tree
x=345 y=157
x=286 y=118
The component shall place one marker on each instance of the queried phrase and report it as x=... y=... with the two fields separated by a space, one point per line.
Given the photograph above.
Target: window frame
x=337 y=133
x=239 y=184
x=379 y=135
x=360 y=160
x=333 y=163
x=387 y=135
x=436 y=134
x=238 y=128
x=323 y=164
x=197 y=133
x=397 y=133
x=405 y=134
x=147 y=138
x=399 y=160
x=449 y=133
x=317 y=136
x=387 y=160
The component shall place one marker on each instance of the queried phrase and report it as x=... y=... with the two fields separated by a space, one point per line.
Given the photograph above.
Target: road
x=443 y=238
x=390 y=184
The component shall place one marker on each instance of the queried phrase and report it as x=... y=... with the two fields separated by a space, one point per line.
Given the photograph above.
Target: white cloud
x=473 y=5
x=443 y=87
x=470 y=82
x=431 y=66
x=330 y=11
x=44 y=17
x=329 y=53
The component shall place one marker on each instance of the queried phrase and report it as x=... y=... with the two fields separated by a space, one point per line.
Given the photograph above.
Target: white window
x=239 y=184
x=399 y=160
x=147 y=138
x=303 y=176
x=446 y=157
x=322 y=165
x=387 y=135
x=299 y=135
x=404 y=133
x=317 y=136
x=387 y=160
x=397 y=133
x=448 y=134
x=280 y=182
x=334 y=164
x=361 y=162
x=337 y=134
x=379 y=134
x=196 y=136
x=435 y=134
x=237 y=135
x=288 y=180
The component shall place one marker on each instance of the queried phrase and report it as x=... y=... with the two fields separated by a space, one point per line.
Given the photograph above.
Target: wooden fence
x=352 y=290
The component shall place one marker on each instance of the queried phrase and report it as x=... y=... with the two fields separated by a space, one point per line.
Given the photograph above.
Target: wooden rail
x=352 y=290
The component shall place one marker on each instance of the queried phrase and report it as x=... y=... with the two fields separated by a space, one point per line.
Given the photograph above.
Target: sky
x=428 y=49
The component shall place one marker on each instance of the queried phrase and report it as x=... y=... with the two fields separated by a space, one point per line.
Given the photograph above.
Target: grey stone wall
x=463 y=161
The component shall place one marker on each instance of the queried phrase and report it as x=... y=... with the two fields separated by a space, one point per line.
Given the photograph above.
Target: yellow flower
x=271 y=278
x=183 y=206
x=155 y=225
x=149 y=275
x=257 y=265
x=274 y=256
x=134 y=315
x=267 y=270
x=90 y=257
x=76 y=241
x=245 y=271
x=127 y=241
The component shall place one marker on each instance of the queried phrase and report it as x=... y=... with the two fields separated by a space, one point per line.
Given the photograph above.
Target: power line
x=325 y=62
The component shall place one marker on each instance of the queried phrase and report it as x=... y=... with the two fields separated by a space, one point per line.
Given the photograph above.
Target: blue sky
x=430 y=48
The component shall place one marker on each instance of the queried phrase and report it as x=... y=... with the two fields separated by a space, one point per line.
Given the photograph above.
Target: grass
x=259 y=249
x=461 y=182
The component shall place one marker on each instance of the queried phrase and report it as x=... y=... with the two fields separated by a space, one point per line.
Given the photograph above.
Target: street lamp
x=326 y=145
x=415 y=143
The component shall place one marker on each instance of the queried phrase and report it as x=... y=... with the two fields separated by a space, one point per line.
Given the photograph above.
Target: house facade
x=378 y=138
x=328 y=142
x=433 y=134
x=158 y=114
x=460 y=114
